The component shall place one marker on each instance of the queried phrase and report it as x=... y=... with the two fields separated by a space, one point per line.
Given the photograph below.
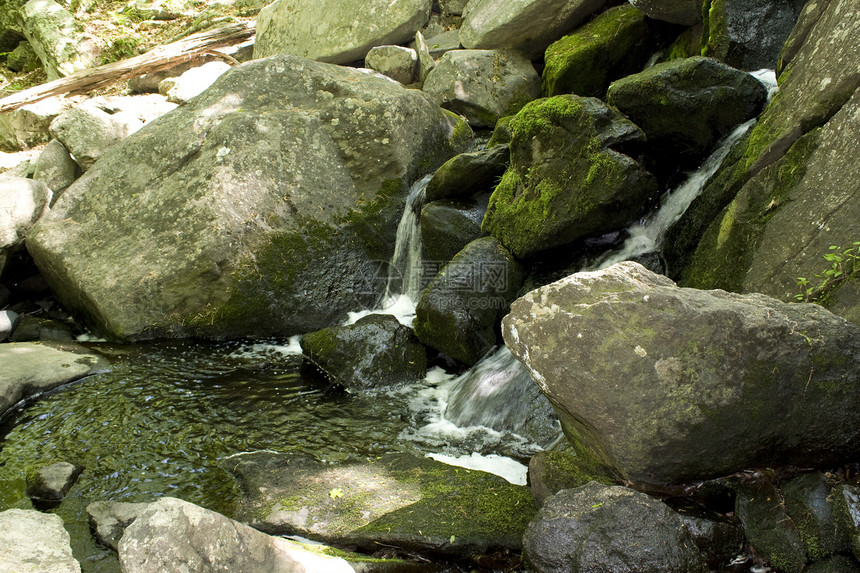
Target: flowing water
x=167 y=415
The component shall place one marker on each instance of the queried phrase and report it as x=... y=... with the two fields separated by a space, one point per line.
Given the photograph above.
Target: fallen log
x=157 y=59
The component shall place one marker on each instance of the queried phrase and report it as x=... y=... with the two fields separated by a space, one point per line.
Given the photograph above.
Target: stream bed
x=167 y=414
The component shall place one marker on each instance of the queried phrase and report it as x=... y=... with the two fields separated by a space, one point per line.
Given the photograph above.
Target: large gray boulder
x=672 y=385
x=483 y=85
x=459 y=311
x=171 y=534
x=22 y=202
x=526 y=25
x=256 y=208
x=684 y=12
x=792 y=192
x=611 y=529
x=569 y=177
x=58 y=38
x=343 y=33
x=92 y=128
x=34 y=542
x=399 y=500
x=31 y=368
x=685 y=106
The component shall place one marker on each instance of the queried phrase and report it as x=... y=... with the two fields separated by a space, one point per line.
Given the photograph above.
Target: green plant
x=120 y=49
x=843 y=263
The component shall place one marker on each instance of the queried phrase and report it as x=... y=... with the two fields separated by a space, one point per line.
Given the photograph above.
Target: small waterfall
x=499 y=393
x=405 y=268
x=406 y=262
x=646 y=235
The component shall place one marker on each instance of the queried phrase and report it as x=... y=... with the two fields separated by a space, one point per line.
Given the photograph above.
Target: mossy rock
x=609 y=47
x=403 y=501
x=448 y=226
x=551 y=472
x=846 y=509
x=808 y=501
x=377 y=351
x=568 y=177
x=259 y=208
x=470 y=173
x=769 y=529
x=459 y=311
x=686 y=106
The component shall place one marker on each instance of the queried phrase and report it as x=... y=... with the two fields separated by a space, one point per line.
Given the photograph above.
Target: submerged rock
x=528 y=25
x=109 y=519
x=569 y=177
x=344 y=33
x=700 y=383
x=48 y=485
x=171 y=532
x=609 y=528
x=609 y=47
x=35 y=541
x=31 y=368
x=414 y=504
x=483 y=85
x=459 y=311
x=375 y=352
x=685 y=106
x=258 y=207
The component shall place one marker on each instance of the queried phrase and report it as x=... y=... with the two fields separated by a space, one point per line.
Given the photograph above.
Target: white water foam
x=512 y=470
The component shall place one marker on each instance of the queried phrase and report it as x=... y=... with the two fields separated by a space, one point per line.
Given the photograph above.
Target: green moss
x=726 y=250
x=586 y=61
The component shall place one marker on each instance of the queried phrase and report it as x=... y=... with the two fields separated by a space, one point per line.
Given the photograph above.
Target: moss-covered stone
x=551 y=472
x=725 y=251
x=686 y=106
x=566 y=180
x=447 y=227
x=809 y=503
x=467 y=174
x=611 y=46
x=769 y=528
x=459 y=311
x=415 y=504
x=376 y=351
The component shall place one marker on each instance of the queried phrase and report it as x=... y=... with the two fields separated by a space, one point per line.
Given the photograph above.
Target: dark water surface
x=166 y=416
